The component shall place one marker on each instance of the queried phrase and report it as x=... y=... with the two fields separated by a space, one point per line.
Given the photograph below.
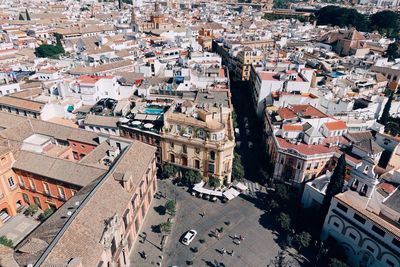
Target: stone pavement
x=236 y=217
x=18 y=227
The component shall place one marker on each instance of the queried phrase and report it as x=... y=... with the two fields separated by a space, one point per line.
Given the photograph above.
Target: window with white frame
x=11 y=182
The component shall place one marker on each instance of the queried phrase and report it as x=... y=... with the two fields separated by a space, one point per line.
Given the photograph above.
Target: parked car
x=189 y=236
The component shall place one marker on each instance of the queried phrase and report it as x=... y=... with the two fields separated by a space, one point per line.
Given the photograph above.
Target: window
x=212 y=155
x=73 y=192
x=37 y=202
x=46 y=188
x=359 y=218
x=61 y=192
x=26 y=198
x=371 y=249
x=341 y=207
x=197 y=150
x=211 y=167
x=21 y=181
x=390 y=263
x=316 y=165
x=298 y=165
x=352 y=236
x=184 y=149
x=396 y=242
x=11 y=182
x=171 y=144
x=379 y=231
x=308 y=166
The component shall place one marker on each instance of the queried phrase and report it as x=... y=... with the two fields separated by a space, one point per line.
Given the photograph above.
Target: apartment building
x=364 y=220
x=302 y=142
x=265 y=83
x=112 y=208
x=198 y=135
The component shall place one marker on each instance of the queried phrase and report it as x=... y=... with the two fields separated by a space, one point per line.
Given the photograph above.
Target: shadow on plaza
x=160 y=210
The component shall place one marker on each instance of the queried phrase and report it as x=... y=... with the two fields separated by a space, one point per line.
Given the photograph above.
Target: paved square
x=18 y=227
x=237 y=217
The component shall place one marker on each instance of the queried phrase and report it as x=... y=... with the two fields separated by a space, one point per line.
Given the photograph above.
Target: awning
x=240 y=186
x=231 y=193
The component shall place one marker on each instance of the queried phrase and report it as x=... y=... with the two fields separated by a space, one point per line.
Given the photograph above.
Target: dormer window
x=366 y=169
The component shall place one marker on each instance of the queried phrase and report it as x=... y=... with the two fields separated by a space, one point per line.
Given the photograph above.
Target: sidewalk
x=18 y=227
x=152 y=244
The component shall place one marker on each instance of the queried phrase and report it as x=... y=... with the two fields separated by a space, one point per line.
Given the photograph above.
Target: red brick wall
x=80 y=149
x=40 y=191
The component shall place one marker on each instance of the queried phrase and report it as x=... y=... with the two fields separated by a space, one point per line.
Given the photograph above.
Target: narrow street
x=251 y=146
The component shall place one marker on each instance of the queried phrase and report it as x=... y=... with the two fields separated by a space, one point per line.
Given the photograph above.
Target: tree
x=46 y=214
x=214 y=182
x=284 y=221
x=58 y=39
x=27 y=15
x=386 y=22
x=338 y=16
x=169 y=170
x=170 y=206
x=50 y=51
x=272 y=204
x=237 y=167
x=337 y=263
x=165 y=227
x=392 y=51
x=6 y=242
x=191 y=177
x=303 y=240
x=21 y=17
x=31 y=210
x=281 y=192
x=335 y=185
x=386 y=110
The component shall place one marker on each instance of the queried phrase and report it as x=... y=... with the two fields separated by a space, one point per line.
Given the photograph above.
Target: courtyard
x=240 y=216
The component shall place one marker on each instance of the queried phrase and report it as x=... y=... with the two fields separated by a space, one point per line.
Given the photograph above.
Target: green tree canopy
x=214 y=182
x=165 y=227
x=6 y=242
x=284 y=221
x=335 y=185
x=169 y=170
x=393 y=51
x=386 y=22
x=339 y=16
x=191 y=177
x=237 y=167
x=21 y=17
x=170 y=206
x=337 y=263
x=49 y=51
x=303 y=240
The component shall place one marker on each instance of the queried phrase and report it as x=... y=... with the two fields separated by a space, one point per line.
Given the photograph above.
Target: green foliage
x=336 y=183
x=170 y=206
x=165 y=227
x=189 y=262
x=281 y=192
x=393 y=51
x=273 y=204
x=214 y=182
x=195 y=250
x=27 y=15
x=85 y=8
x=337 y=263
x=202 y=241
x=191 y=177
x=339 y=16
x=6 y=242
x=31 y=210
x=46 y=214
x=386 y=22
x=21 y=17
x=49 y=51
x=283 y=220
x=237 y=167
x=386 y=110
x=169 y=170
x=234 y=119
x=303 y=240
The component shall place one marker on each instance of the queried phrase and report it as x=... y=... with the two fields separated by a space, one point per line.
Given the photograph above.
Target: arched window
x=172 y=158
x=354 y=185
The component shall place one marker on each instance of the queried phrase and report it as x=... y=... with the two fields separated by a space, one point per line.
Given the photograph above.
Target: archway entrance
x=4 y=215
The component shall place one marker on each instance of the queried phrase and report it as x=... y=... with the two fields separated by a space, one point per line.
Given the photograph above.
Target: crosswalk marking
x=253 y=187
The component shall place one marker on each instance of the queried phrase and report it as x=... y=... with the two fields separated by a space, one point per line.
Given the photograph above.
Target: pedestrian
x=240 y=237
x=223 y=251
x=202 y=214
x=232 y=253
x=235 y=237
x=144 y=255
x=217 y=235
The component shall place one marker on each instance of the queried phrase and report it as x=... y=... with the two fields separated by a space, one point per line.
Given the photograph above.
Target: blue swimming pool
x=154 y=111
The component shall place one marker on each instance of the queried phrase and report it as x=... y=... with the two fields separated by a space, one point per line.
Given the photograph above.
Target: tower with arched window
x=363 y=178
